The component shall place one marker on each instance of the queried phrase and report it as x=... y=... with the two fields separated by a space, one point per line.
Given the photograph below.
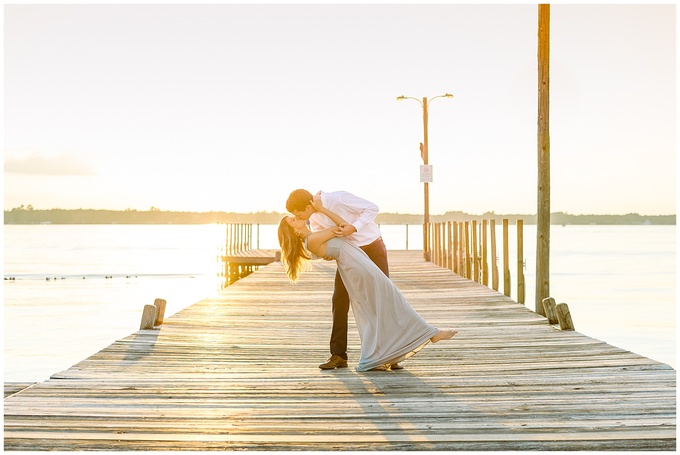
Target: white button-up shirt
x=359 y=212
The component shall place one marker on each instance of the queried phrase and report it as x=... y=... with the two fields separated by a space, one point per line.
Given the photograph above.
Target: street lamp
x=423 y=153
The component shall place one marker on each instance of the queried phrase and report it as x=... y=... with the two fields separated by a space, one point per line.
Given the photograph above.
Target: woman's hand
x=344 y=230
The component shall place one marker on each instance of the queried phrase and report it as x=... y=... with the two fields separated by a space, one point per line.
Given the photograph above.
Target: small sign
x=425 y=173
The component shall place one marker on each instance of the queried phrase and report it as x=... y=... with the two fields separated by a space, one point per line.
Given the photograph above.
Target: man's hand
x=344 y=230
x=316 y=202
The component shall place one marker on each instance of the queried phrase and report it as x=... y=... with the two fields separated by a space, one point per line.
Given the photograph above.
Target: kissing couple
x=340 y=226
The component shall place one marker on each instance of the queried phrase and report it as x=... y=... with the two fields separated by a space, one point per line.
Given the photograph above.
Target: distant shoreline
x=28 y=215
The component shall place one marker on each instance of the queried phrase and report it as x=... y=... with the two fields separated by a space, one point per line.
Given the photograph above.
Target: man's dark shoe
x=335 y=361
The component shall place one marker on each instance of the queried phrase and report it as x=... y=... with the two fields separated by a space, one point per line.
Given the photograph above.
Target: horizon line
x=158 y=210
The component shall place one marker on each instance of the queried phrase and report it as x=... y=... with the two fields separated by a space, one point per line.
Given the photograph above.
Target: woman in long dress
x=390 y=330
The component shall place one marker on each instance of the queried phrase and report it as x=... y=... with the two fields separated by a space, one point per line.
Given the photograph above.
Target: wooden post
x=475 y=256
x=426 y=241
x=436 y=227
x=148 y=317
x=485 y=265
x=461 y=248
x=468 y=268
x=543 y=211
x=506 y=259
x=454 y=248
x=228 y=241
x=520 y=261
x=550 y=311
x=234 y=238
x=406 y=236
x=442 y=244
x=449 y=245
x=446 y=243
x=494 y=259
x=160 y=305
x=564 y=317
x=433 y=243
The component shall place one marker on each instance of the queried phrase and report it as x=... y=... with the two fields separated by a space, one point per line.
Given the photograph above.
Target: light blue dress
x=390 y=330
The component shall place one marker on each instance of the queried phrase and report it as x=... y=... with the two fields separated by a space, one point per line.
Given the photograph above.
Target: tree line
x=29 y=215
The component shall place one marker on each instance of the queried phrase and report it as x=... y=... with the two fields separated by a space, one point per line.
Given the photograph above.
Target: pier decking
x=239 y=371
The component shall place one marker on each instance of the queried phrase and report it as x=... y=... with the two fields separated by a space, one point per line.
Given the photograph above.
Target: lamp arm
x=402 y=97
x=446 y=95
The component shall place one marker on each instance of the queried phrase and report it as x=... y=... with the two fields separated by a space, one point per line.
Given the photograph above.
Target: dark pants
x=378 y=254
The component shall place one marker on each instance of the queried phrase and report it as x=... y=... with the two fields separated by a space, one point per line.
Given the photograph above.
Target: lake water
x=78 y=288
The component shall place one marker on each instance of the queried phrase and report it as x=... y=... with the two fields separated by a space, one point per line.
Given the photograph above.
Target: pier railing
x=470 y=249
x=238 y=237
x=240 y=256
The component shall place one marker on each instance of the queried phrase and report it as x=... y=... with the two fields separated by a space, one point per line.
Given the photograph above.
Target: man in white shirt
x=361 y=231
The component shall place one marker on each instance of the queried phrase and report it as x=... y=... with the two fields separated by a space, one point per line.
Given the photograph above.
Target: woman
x=390 y=330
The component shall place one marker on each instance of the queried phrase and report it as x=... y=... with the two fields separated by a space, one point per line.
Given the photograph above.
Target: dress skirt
x=390 y=330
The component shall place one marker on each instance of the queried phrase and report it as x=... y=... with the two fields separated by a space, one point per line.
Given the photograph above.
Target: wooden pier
x=240 y=264
x=239 y=371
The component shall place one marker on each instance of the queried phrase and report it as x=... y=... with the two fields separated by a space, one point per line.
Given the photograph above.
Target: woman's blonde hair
x=293 y=253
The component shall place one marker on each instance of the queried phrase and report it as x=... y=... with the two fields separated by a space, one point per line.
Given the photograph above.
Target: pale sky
x=230 y=107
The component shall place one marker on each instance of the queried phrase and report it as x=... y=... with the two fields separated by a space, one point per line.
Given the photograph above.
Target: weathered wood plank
x=14 y=387
x=253 y=257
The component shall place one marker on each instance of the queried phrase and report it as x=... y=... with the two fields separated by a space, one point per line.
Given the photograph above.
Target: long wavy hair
x=293 y=253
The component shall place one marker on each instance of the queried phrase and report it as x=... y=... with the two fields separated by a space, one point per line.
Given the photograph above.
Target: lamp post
x=425 y=104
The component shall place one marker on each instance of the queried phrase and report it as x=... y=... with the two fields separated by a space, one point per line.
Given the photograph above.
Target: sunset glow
x=230 y=107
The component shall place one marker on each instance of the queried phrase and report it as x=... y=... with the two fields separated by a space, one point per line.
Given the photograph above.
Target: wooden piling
x=506 y=259
x=468 y=268
x=454 y=248
x=520 y=261
x=550 y=311
x=475 y=255
x=449 y=245
x=461 y=249
x=442 y=244
x=494 y=258
x=564 y=317
x=485 y=264
x=160 y=313
x=543 y=209
x=148 y=317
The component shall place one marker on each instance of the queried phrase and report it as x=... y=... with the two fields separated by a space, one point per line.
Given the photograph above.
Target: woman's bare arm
x=316 y=242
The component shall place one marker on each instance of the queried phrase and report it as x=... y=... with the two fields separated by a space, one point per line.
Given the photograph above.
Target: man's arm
x=366 y=210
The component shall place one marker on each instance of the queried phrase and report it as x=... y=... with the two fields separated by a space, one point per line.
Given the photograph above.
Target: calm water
x=619 y=282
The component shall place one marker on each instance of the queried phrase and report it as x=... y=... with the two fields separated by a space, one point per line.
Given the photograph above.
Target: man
x=363 y=232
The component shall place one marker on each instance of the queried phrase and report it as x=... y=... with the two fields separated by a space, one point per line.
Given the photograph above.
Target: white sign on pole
x=425 y=173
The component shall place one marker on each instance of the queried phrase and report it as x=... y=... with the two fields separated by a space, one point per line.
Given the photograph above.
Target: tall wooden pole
x=426 y=215
x=543 y=211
